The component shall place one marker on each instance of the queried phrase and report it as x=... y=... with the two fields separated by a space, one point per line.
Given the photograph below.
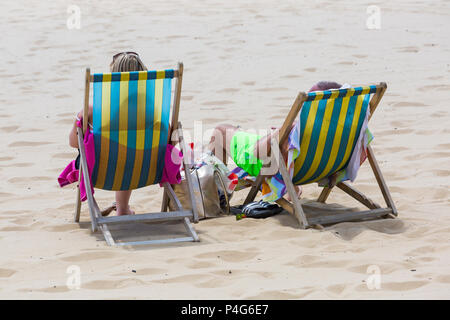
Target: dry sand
x=244 y=61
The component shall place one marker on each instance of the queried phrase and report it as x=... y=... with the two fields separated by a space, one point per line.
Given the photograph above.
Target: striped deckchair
x=131 y=131
x=330 y=123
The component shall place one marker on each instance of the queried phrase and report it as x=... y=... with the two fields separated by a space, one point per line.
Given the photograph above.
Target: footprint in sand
x=346 y=63
x=302 y=260
x=27 y=144
x=62 y=228
x=394 y=286
x=407 y=104
x=22 y=180
x=187 y=98
x=444 y=279
x=64 y=155
x=54 y=289
x=412 y=49
x=277 y=295
x=272 y=89
x=437 y=87
x=229 y=90
x=58 y=79
x=441 y=173
x=337 y=289
x=65 y=121
x=143 y=272
x=201 y=265
x=213 y=283
x=403 y=286
x=290 y=76
x=15 y=229
x=421 y=250
x=113 y=284
x=384 y=269
x=23 y=221
x=4 y=195
x=65 y=114
x=230 y=255
x=189 y=278
x=87 y=256
x=327 y=264
x=435 y=78
x=62 y=96
x=219 y=102
x=6 y=273
x=9 y=129
x=343 y=45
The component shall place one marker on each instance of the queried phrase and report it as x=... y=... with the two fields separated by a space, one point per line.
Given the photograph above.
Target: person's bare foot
x=123 y=212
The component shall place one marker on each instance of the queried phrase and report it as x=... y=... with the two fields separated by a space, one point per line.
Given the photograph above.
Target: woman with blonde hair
x=122 y=62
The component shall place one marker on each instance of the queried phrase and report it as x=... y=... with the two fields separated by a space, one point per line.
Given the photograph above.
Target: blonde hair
x=127 y=61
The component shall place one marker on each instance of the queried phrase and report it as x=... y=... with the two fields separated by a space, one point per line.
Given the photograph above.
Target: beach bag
x=213 y=186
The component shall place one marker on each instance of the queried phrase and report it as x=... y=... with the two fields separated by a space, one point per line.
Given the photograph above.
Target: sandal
x=107 y=211
x=257 y=209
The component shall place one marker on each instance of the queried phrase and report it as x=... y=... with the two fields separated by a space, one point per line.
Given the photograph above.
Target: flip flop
x=108 y=210
x=257 y=209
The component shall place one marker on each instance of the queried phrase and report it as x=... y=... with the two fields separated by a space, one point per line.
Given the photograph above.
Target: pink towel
x=171 y=173
x=70 y=174
x=172 y=165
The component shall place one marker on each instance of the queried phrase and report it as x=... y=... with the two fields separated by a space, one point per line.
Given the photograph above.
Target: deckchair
x=330 y=122
x=131 y=131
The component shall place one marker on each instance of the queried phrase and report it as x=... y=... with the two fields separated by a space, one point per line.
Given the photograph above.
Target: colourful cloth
x=173 y=160
x=242 y=147
x=70 y=174
x=273 y=188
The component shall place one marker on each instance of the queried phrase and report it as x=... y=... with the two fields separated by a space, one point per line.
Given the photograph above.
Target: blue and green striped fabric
x=131 y=124
x=330 y=124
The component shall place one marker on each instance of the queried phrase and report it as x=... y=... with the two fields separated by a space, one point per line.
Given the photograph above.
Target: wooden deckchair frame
x=182 y=215
x=295 y=207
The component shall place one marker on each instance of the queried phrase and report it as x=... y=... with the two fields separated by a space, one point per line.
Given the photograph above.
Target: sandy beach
x=244 y=63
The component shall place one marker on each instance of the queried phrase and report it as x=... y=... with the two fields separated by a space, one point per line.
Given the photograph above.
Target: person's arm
x=73 y=136
x=263 y=146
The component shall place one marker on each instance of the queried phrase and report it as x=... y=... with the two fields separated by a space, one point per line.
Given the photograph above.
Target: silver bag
x=207 y=182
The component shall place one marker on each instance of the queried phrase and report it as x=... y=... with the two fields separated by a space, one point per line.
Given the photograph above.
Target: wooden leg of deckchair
x=381 y=183
x=254 y=190
x=165 y=202
x=324 y=194
x=76 y=216
x=298 y=211
x=357 y=195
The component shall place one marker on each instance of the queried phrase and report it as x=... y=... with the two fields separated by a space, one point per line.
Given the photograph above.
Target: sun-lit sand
x=245 y=61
